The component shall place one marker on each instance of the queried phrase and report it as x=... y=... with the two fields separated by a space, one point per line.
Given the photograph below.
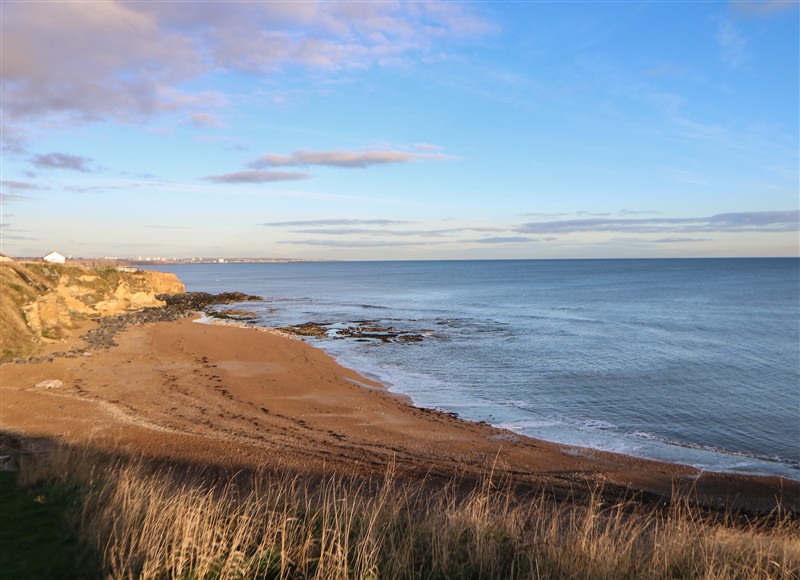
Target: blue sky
x=400 y=130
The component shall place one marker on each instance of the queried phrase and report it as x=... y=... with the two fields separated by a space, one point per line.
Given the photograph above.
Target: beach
x=240 y=398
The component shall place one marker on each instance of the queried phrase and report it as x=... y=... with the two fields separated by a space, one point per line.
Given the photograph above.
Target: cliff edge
x=41 y=302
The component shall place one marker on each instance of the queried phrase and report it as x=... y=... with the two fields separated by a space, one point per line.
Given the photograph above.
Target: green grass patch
x=36 y=540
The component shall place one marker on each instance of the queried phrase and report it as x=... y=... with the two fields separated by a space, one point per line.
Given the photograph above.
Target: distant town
x=56 y=257
x=139 y=260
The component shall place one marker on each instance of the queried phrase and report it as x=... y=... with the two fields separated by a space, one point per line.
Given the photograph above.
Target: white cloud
x=89 y=59
x=123 y=60
x=347 y=159
x=257 y=176
x=62 y=161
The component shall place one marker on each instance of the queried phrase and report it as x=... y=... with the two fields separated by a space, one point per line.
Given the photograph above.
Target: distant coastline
x=161 y=261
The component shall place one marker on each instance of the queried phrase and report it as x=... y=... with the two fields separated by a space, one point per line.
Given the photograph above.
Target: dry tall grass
x=154 y=522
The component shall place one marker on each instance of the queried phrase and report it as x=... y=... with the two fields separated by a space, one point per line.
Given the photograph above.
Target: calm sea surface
x=691 y=361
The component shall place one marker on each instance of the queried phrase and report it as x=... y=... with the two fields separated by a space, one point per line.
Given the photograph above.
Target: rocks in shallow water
x=315 y=329
x=360 y=331
x=233 y=314
x=369 y=329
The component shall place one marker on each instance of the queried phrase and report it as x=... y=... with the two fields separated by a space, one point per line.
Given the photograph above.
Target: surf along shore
x=244 y=398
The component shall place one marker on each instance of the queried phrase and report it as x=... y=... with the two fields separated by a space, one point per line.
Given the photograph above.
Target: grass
x=36 y=539
x=156 y=521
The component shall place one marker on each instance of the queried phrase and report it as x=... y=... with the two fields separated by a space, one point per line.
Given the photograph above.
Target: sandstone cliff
x=41 y=303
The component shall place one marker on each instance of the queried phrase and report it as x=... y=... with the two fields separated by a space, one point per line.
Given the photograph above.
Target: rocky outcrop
x=41 y=303
x=176 y=306
x=200 y=300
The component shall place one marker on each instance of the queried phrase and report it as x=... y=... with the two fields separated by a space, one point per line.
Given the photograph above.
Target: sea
x=691 y=361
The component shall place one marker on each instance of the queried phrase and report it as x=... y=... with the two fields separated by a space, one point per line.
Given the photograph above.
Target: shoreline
x=227 y=395
x=408 y=399
x=786 y=469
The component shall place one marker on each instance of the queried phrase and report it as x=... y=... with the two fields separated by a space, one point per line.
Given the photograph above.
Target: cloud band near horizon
x=765 y=221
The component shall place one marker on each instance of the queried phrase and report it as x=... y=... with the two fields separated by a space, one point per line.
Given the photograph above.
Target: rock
x=360 y=331
x=199 y=300
x=315 y=329
x=233 y=314
x=50 y=384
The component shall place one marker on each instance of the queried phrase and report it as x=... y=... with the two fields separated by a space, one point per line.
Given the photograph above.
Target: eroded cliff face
x=41 y=303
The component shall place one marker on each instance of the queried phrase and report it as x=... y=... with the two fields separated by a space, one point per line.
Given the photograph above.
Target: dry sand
x=237 y=397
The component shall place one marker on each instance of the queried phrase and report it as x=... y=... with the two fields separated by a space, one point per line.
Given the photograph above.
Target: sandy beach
x=241 y=397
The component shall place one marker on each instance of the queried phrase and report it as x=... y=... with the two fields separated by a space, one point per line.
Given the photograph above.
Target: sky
x=400 y=130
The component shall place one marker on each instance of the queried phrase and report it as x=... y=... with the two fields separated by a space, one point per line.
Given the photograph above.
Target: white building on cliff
x=54 y=258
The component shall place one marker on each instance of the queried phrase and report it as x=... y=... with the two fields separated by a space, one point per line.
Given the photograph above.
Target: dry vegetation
x=19 y=285
x=151 y=521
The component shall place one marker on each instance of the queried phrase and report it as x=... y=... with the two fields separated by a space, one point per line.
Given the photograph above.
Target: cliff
x=41 y=302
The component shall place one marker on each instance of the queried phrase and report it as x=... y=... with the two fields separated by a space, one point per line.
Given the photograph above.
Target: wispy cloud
x=541 y=214
x=354 y=243
x=346 y=159
x=427 y=147
x=228 y=143
x=62 y=161
x=8 y=232
x=639 y=212
x=6 y=197
x=12 y=139
x=665 y=70
x=356 y=227
x=17 y=186
x=732 y=44
x=361 y=243
x=97 y=188
x=336 y=222
x=762 y=7
x=767 y=221
x=371 y=232
x=257 y=176
x=205 y=121
x=679 y=240
x=506 y=240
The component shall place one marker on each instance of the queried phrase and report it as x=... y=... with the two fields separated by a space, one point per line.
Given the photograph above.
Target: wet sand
x=239 y=397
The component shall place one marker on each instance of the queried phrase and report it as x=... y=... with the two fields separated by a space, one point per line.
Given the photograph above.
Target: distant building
x=55 y=258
